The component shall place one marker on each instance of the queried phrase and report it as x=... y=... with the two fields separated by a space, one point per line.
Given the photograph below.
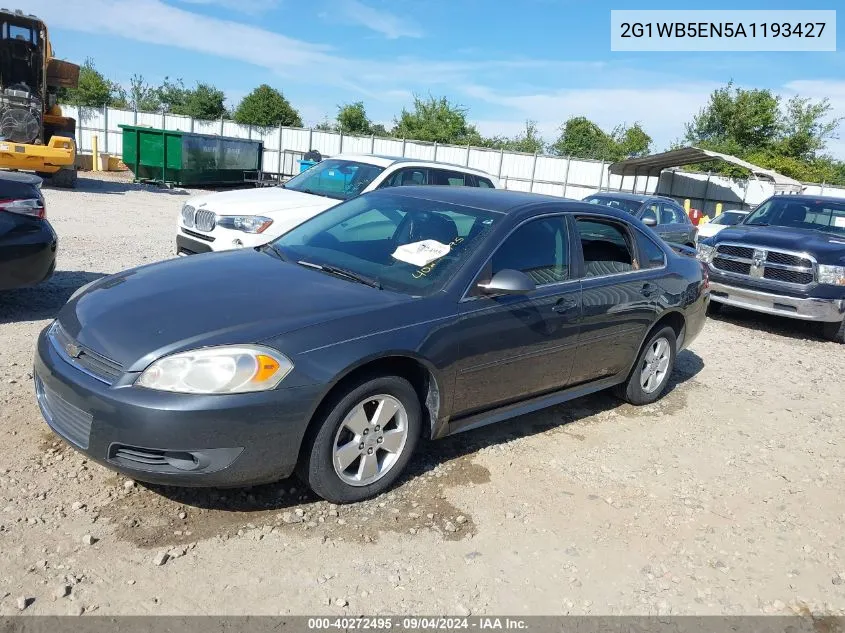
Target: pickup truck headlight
x=834 y=275
x=705 y=252
x=245 y=223
x=217 y=370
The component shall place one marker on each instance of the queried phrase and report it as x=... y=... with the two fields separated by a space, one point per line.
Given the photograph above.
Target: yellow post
x=95 y=162
x=687 y=205
x=718 y=209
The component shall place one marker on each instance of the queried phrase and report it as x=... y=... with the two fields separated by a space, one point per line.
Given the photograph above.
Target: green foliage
x=436 y=120
x=266 y=107
x=581 y=138
x=756 y=126
x=528 y=141
x=352 y=119
x=141 y=96
x=93 y=91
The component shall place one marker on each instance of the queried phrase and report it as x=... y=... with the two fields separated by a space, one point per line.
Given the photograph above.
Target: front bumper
x=173 y=439
x=807 y=309
x=29 y=259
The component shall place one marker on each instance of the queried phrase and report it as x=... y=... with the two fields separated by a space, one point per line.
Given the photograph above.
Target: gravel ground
x=726 y=497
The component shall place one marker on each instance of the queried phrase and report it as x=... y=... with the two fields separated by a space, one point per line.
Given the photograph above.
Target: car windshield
x=393 y=241
x=729 y=218
x=334 y=178
x=631 y=206
x=821 y=214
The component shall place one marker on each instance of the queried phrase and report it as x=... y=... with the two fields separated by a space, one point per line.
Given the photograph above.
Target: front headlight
x=214 y=370
x=834 y=275
x=704 y=252
x=245 y=223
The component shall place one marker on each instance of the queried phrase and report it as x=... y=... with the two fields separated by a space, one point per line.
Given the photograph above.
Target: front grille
x=732 y=266
x=71 y=422
x=188 y=213
x=787 y=259
x=205 y=220
x=789 y=276
x=736 y=251
x=795 y=269
x=92 y=363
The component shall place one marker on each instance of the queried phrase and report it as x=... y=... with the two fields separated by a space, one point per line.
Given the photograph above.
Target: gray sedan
x=665 y=216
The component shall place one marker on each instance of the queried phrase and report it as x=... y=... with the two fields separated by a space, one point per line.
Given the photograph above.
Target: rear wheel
x=364 y=441
x=834 y=331
x=64 y=178
x=650 y=375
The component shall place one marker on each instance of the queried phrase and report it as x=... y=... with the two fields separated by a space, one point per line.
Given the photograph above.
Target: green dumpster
x=187 y=159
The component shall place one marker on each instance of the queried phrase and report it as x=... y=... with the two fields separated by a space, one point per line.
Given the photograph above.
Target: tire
x=834 y=331
x=64 y=178
x=634 y=391
x=318 y=468
x=714 y=307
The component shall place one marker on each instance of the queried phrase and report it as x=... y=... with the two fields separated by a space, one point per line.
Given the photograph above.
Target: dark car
x=787 y=257
x=401 y=313
x=664 y=215
x=27 y=241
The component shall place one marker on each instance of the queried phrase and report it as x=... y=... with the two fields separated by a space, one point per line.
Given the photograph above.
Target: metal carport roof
x=655 y=163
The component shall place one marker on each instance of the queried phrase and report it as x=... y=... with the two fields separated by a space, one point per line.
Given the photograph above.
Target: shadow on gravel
x=454 y=451
x=44 y=300
x=97 y=185
x=780 y=326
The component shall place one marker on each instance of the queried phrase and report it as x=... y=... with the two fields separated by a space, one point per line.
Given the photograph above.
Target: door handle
x=565 y=305
x=648 y=289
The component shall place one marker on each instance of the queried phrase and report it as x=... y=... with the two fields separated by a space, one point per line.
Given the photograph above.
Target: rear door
x=678 y=226
x=618 y=297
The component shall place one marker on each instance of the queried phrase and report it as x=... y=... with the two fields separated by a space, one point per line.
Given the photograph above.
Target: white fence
x=553 y=175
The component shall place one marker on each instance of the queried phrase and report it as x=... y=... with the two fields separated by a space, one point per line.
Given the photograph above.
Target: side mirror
x=649 y=218
x=508 y=282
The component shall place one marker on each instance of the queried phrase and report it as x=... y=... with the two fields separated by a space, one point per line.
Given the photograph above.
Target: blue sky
x=506 y=62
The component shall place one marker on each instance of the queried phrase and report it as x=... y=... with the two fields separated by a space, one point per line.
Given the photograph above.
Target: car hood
x=261 y=201
x=233 y=297
x=826 y=248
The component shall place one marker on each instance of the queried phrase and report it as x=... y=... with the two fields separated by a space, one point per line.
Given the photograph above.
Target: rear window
x=485 y=183
x=631 y=206
x=15 y=190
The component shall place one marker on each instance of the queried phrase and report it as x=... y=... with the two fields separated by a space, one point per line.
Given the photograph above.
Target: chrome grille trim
x=205 y=220
x=188 y=213
x=87 y=361
x=789 y=268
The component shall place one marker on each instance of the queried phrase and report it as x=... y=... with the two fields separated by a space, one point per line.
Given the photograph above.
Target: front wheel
x=834 y=331
x=650 y=375
x=364 y=441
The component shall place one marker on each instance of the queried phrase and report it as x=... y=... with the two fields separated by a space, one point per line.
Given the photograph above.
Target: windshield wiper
x=343 y=272
x=269 y=246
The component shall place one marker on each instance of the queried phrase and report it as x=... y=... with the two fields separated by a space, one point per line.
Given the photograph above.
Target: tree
x=582 y=138
x=352 y=119
x=378 y=129
x=528 y=141
x=266 y=107
x=436 y=120
x=141 y=96
x=631 y=141
x=93 y=89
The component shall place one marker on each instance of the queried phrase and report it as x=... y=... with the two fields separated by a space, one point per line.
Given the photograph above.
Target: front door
x=514 y=347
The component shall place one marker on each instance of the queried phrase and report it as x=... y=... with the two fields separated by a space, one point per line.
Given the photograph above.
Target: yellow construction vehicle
x=34 y=136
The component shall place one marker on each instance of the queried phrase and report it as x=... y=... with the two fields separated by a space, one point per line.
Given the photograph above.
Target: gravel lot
x=724 y=498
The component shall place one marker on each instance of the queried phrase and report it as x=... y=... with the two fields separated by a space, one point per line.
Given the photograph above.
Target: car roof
x=624 y=195
x=497 y=200
x=16 y=176
x=388 y=161
x=807 y=197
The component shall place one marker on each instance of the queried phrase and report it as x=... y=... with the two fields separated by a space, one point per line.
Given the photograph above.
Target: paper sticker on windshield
x=839 y=221
x=421 y=253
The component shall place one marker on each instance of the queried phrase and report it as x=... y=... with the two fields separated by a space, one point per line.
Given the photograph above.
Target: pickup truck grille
x=794 y=269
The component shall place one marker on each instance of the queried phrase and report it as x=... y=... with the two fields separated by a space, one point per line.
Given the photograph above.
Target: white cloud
x=662 y=111
x=388 y=24
x=251 y=7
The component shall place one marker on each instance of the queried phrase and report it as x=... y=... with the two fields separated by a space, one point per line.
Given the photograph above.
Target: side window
x=606 y=248
x=539 y=248
x=653 y=208
x=484 y=183
x=451 y=178
x=406 y=176
x=651 y=255
x=672 y=215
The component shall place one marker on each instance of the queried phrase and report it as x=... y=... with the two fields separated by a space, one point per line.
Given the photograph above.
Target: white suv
x=252 y=217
